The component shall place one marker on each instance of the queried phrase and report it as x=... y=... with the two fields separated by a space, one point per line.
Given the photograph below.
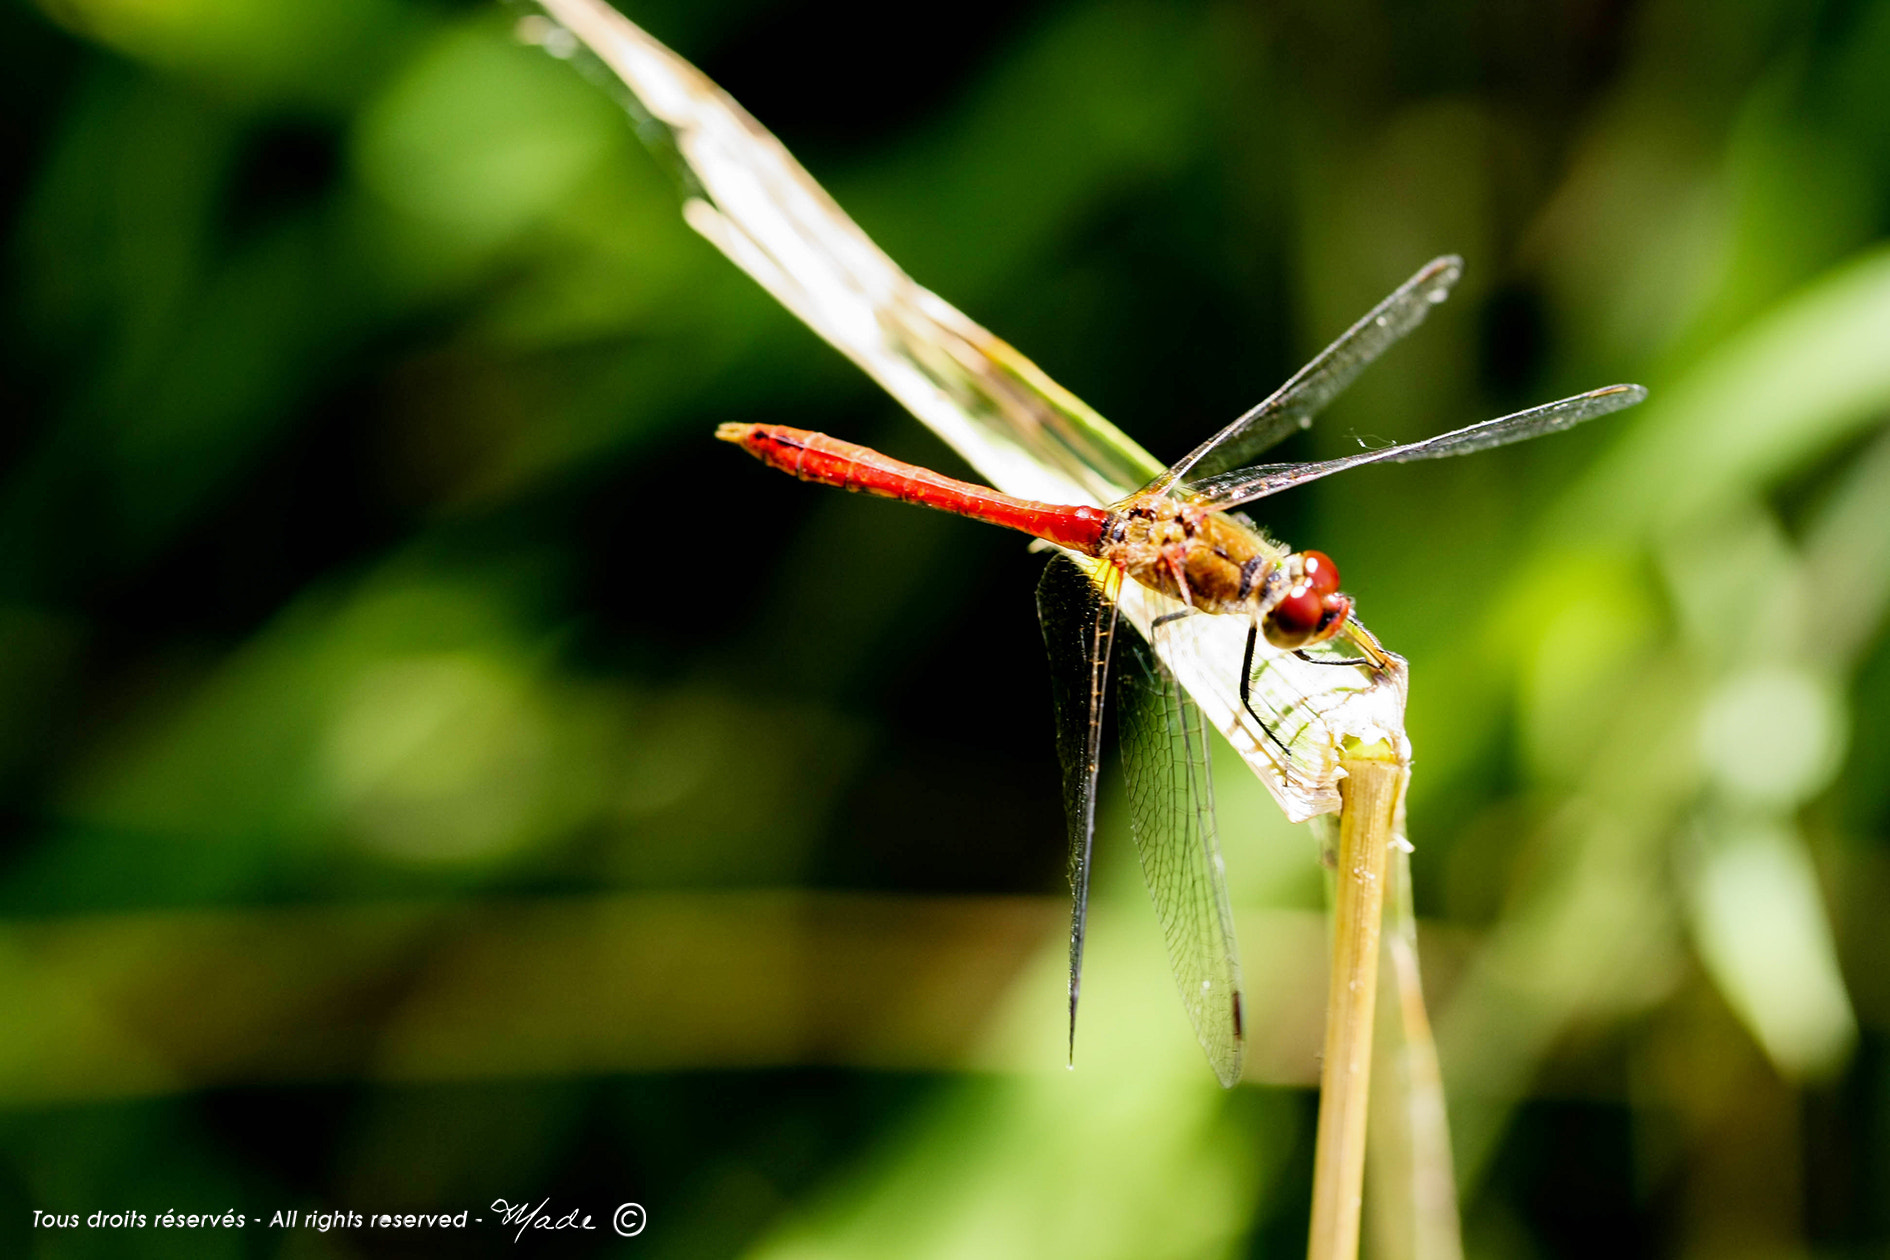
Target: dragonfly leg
x=1319 y=660
x=1176 y=567
x=1246 y=686
x=1165 y=618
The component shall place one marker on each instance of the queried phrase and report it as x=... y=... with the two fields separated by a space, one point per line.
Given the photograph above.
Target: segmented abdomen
x=832 y=462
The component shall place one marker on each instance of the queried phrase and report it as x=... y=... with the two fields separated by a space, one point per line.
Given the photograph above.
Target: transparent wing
x=1293 y=405
x=1247 y=484
x=1165 y=758
x=745 y=192
x=1078 y=616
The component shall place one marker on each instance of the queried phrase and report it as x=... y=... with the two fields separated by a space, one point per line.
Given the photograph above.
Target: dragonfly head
x=1312 y=610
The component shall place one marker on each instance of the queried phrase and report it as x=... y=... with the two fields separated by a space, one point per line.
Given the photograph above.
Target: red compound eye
x=1321 y=574
x=1294 y=619
x=1313 y=610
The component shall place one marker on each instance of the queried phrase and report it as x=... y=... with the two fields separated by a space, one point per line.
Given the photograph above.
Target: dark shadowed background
x=434 y=771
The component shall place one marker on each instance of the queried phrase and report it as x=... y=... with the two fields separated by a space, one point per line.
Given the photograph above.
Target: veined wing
x=1293 y=405
x=1247 y=484
x=745 y=192
x=1078 y=616
x=1165 y=756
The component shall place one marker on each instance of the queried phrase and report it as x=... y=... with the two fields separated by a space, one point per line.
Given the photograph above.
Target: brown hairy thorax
x=1216 y=563
x=1205 y=559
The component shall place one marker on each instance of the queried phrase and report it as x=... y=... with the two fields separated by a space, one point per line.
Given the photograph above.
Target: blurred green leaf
x=1803 y=378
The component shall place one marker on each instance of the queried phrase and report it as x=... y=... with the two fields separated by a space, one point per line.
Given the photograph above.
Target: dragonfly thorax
x=1204 y=559
x=1215 y=563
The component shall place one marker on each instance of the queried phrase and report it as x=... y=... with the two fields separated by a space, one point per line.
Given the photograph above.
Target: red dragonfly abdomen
x=832 y=462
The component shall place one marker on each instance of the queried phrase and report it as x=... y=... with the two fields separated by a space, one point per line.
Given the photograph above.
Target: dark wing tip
x=1227 y=1068
x=1072 y=1061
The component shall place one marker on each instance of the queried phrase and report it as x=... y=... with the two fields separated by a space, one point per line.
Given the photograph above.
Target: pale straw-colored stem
x=1371 y=791
x=1410 y=1188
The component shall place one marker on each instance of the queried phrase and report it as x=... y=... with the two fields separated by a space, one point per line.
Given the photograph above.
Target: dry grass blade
x=1411 y=1185
x=1371 y=791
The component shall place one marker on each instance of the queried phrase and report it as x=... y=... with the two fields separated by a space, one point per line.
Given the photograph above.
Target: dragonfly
x=1182 y=537
x=1174 y=559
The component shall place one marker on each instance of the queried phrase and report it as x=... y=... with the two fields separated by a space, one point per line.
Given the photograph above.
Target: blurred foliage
x=434 y=772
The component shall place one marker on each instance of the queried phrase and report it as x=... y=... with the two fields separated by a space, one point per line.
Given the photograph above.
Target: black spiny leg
x=1246 y=686
x=1320 y=660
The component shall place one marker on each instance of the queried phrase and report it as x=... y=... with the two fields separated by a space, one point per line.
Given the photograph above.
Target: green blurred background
x=434 y=771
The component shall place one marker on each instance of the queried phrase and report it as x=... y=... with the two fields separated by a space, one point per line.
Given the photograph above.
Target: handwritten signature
x=526 y=1216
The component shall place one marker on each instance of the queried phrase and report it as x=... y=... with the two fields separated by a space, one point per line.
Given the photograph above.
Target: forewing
x=1247 y=484
x=1078 y=615
x=1293 y=405
x=745 y=192
x=1165 y=755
